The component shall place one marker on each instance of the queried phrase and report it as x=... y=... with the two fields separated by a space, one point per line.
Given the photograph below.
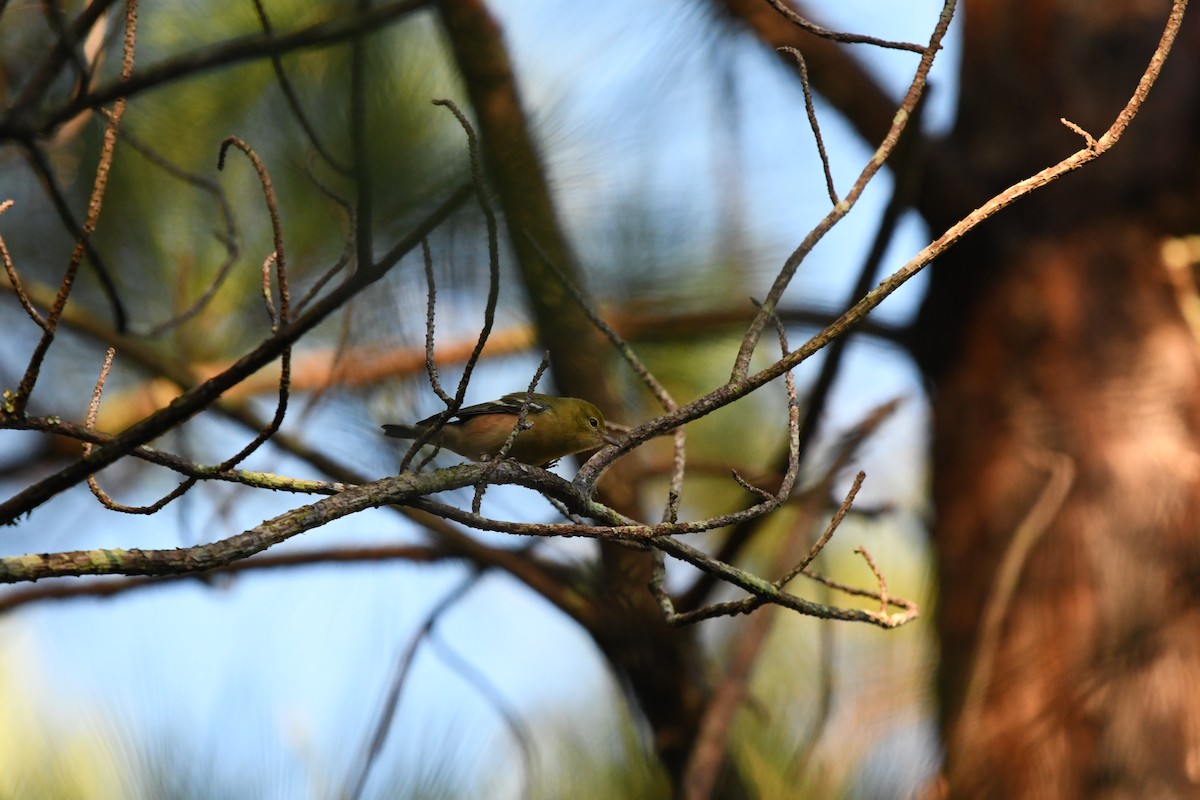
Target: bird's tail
x=402 y=431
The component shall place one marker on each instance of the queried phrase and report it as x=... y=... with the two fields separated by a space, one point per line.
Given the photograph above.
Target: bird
x=554 y=427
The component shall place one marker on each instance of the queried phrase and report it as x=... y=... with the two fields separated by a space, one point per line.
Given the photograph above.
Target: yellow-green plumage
x=556 y=427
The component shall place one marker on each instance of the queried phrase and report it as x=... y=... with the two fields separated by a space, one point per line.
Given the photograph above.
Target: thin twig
x=479 y=185
x=93 y=408
x=431 y=370
x=814 y=126
x=281 y=317
x=43 y=167
x=874 y=164
x=748 y=604
x=202 y=396
x=364 y=196
x=67 y=42
x=848 y=38
x=14 y=280
x=1087 y=137
x=276 y=258
x=882 y=582
x=679 y=441
x=11 y=599
x=792 y=472
x=204 y=59
x=741 y=384
x=479 y=182
x=905 y=175
x=824 y=538
x=191 y=469
x=293 y=102
x=228 y=237
x=522 y=424
x=45 y=73
x=348 y=248
x=82 y=244
x=618 y=342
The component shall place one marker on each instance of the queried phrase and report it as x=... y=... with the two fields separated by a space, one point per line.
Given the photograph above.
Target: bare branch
x=14 y=280
x=228 y=237
x=95 y=202
x=200 y=397
x=111 y=587
x=739 y=386
x=849 y=38
x=293 y=102
x=811 y=110
x=899 y=123
x=478 y=182
x=235 y=51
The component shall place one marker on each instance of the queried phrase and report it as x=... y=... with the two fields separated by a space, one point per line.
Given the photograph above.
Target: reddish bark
x=1057 y=349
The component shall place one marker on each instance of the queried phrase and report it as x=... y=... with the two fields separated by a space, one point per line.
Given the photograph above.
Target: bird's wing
x=509 y=404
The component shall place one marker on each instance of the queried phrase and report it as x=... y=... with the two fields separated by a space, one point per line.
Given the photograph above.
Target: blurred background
x=683 y=171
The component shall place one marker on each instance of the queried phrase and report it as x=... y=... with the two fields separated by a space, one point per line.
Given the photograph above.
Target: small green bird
x=556 y=427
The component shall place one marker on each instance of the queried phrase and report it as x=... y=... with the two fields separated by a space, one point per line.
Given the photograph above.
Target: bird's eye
x=595 y=423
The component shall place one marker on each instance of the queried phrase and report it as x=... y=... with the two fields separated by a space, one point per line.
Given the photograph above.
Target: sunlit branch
x=840 y=210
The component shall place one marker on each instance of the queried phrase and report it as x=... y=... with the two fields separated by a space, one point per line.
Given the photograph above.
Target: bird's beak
x=610 y=439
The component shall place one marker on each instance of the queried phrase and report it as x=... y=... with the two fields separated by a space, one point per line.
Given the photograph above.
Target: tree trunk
x=1066 y=402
